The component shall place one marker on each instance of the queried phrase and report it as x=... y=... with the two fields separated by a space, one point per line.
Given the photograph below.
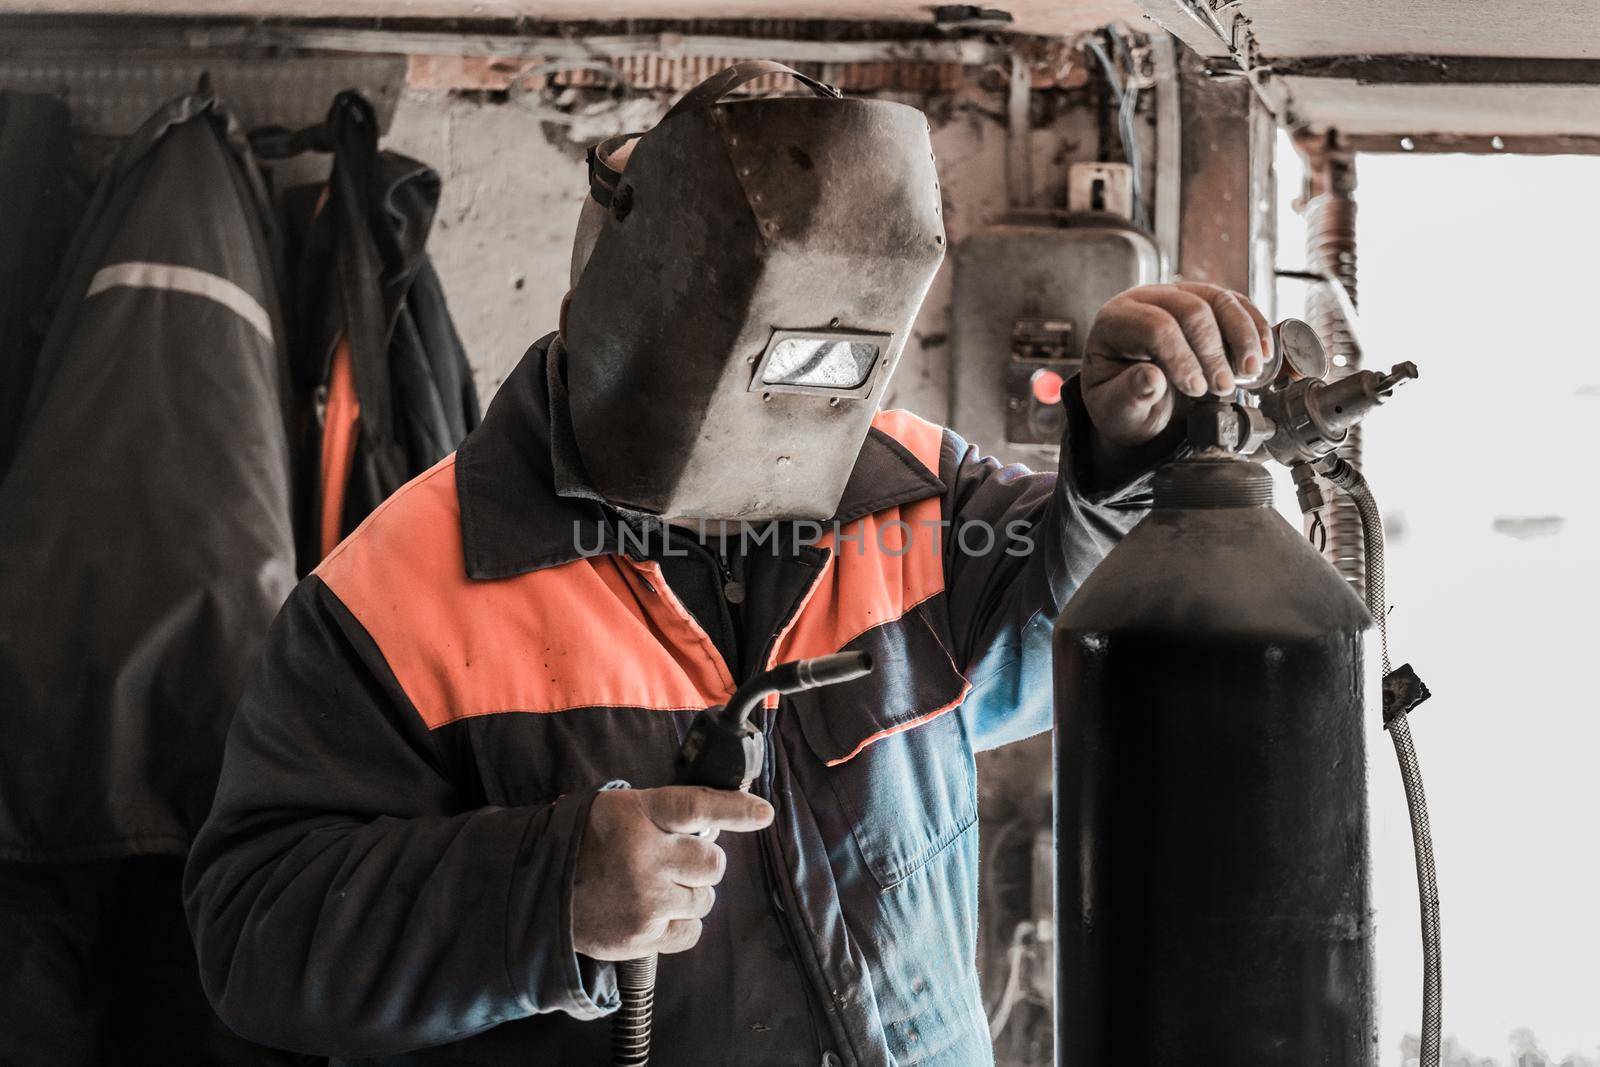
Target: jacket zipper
x=780 y=882
x=768 y=843
x=779 y=878
x=732 y=591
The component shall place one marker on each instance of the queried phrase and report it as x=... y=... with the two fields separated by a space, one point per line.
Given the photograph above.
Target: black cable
x=1347 y=478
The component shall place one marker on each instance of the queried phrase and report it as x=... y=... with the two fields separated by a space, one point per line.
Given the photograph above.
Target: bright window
x=1483 y=271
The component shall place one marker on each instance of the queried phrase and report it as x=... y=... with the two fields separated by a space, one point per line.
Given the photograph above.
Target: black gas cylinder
x=1211 y=814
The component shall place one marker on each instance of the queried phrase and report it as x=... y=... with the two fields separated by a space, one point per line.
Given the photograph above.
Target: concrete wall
x=513 y=186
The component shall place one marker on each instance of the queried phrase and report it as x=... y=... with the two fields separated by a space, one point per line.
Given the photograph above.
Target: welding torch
x=722 y=750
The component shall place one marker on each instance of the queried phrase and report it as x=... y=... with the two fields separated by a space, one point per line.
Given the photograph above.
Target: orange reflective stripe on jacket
x=880 y=567
x=603 y=631
x=590 y=633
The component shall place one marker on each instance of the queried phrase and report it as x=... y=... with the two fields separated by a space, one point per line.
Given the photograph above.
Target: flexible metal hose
x=630 y=1028
x=1350 y=480
x=1331 y=251
x=1427 y=888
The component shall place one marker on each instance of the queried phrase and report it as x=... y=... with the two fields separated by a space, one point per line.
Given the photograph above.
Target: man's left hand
x=1153 y=350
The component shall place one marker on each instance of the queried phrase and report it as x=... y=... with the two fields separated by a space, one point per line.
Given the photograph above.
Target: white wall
x=502 y=242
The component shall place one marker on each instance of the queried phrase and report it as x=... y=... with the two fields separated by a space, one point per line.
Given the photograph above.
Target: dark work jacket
x=387 y=874
x=41 y=191
x=145 y=539
x=365 y=290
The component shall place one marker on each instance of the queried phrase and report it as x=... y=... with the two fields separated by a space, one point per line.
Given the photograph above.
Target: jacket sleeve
x=348 y=896
x=1017 y=545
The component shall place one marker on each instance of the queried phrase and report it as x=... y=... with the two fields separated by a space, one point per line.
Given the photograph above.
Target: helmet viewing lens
x=807 y=362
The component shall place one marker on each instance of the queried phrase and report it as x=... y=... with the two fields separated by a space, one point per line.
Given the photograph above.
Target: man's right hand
x=644 y=879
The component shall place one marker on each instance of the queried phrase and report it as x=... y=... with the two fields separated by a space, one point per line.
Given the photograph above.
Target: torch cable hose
x=630 y=1029
x=1349 y=479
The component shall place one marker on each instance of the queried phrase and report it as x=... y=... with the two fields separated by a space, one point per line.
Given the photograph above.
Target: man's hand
x=644 y=880
x=1154 y=349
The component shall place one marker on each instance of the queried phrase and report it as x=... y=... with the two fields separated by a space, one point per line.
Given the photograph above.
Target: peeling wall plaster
x=513 y=187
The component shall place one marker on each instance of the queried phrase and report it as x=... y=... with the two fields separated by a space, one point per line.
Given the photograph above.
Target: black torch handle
x=796 y=676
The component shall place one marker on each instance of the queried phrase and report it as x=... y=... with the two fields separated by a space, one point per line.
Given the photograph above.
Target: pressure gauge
x=1298 y=350
x=1296 y=353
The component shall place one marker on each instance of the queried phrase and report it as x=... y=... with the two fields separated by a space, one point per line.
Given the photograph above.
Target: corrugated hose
x=1350 y=480
x=630 y=1028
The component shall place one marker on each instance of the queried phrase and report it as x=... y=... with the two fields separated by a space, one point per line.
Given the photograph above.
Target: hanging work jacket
x=388 y=871
x=382 y=386
x=145 y=539
x=41 y=189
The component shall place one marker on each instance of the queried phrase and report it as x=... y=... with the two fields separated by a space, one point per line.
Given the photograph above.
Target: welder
x=446 y=809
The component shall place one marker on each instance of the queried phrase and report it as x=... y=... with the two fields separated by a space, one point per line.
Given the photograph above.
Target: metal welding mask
x=753 y=282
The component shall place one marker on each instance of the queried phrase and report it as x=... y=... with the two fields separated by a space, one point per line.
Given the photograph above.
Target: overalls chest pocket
x=894 y=750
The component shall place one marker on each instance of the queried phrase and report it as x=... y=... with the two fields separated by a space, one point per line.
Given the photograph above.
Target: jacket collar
x=527 y=504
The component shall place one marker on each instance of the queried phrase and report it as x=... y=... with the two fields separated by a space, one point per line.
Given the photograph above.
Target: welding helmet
x=754 y=277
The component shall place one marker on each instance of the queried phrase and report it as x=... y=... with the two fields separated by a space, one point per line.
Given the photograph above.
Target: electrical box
x=1025 y=294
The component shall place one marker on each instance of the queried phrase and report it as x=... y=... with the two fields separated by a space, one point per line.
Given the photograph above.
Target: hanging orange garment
x=340 y=421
